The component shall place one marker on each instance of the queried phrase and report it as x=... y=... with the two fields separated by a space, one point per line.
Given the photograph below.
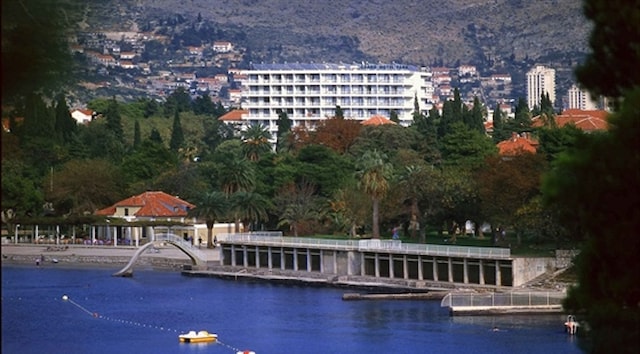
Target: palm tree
x=255 y=141
x=249 y=207
x=238 y=175
x=411 y=184
x=210 y=207
x=296 y=204
x=373 y=174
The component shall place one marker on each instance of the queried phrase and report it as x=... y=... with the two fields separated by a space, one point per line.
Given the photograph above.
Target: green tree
x=500 y=127
x=475 y=118
x=522 y=120
x=177 y=135
x=284 y=128
x=507 y=185
x=297 y=203
x=464 y=146
x=553 y=141
x=255 y=142
x=114 y=119
x=83 y=186
x=178 y=100
x=339 y=113
x=373 y=174
x=137 y=140
x=203 y=105
x=393 y=116
x=597 y=187
x=613 y=41
x=210 y=207
x=35 y=48
x=249 y=207
x=427 y=142
x=65 y=125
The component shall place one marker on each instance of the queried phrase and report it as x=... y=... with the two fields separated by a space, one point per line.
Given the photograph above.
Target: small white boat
x=198 y=337
x=246 y=352
x=571 y=325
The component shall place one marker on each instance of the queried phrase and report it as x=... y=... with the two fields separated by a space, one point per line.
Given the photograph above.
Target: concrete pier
x=416 y=264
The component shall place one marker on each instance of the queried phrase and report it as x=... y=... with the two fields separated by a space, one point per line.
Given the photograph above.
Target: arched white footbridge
x=197 y=257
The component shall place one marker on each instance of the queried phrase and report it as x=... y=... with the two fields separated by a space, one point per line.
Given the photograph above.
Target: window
x=126 y=211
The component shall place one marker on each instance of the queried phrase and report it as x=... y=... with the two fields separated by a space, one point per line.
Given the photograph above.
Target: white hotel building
x=310 y=92
x=580 y=99
x=540 y=80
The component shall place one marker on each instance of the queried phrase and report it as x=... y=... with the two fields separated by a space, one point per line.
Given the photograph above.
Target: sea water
x=146 y=313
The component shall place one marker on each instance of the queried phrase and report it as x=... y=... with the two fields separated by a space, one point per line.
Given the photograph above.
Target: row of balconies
x=327 y=81
x=279 y=104
x=327 y=78
x=271 y=93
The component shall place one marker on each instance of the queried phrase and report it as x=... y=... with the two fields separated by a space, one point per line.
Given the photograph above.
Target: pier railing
x=181 y=242
x=275 y=239
x=511 y=299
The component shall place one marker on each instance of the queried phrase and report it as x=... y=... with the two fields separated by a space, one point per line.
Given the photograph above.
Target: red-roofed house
x=378 y=120
x=148 y=206
x=517 y=144
x=588 y=121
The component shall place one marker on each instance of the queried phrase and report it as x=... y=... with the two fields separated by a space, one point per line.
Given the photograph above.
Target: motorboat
x=571 y=325
x=246 y=352
x=198 y=337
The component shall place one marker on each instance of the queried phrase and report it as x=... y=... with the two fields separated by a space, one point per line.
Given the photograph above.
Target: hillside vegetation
x=418 y=32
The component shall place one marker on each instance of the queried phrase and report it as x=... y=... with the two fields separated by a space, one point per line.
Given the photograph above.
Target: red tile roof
x=235 y=115
x=378 y=120
x=517 y=145
x=587 y=121
x=152 y=204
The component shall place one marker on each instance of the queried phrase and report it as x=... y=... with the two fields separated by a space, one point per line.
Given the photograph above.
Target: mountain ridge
x=402 y=31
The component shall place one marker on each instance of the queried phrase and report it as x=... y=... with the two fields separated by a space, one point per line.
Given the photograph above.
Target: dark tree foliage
x=136 y=135
x=427 y=143
x=613 y=41
x=65 y=125
x=553 y=141
x=178 y=100
x=177 y=135
x=203 y=105
x=474 y=119
x=447 y=119
x=35 y=49
x=155 y=136
x=284 y=125
x=597 y=187
x=522 y=120
x=500 y=127
x=114 y=120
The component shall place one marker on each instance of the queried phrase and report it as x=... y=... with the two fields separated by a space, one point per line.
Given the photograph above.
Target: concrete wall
x=526 y=269
x=564 y=258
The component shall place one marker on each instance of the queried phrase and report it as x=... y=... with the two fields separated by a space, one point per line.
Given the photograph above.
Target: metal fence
x=511 y=299
x=276 y=238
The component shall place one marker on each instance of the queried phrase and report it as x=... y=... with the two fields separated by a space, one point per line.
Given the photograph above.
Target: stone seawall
x=96 y=260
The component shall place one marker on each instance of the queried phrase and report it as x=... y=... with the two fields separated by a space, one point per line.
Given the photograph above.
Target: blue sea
x=146 y=313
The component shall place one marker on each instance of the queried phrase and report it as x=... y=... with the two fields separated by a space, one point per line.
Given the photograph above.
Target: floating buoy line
x=66 y=298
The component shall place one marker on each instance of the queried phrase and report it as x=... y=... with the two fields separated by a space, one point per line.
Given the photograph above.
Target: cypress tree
x=177 y=136
x=136 y=135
